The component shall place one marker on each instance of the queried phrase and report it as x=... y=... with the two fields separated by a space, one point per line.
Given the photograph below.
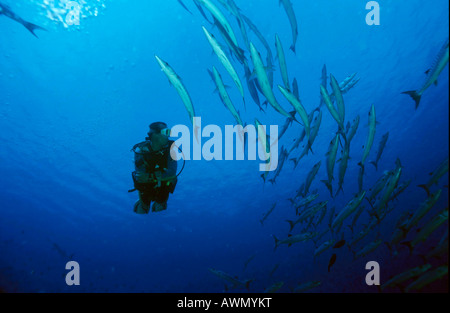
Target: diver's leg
x=142 y=206
x=160 y=199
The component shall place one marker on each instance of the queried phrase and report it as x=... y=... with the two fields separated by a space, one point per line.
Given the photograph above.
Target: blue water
x=76 y=100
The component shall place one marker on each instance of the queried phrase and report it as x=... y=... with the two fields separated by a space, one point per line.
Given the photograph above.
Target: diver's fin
x=139 y=208
x=158 y=207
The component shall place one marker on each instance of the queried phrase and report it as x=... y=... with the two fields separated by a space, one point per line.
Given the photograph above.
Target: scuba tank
x=147 y=162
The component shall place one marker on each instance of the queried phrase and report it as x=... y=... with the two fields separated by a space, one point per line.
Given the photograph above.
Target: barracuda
x=339 y=99
x=380 y=150
x=331 y=161
x=436 y=175
x=218 y=15
x=225 y=97
x=6 y=11
x=224 y=60
x=282 y=62
x=292 y=20
x=331 y=108
x=299 y=108
x=264 y=81
x=175 y=80
x=402 y=277
x=348 y=209
x=294 y=239
x=371 y=136
x=234 y=281
x=432 y=74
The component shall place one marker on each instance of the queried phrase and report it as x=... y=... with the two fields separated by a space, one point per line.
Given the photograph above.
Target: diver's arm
x=169 y=175
x=171 y=172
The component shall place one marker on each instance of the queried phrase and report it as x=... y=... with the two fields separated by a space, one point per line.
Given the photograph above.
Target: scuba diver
x=6 y=11
x=155 y=170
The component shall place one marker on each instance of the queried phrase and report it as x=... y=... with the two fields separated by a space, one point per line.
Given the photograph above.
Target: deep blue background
x=75 y=101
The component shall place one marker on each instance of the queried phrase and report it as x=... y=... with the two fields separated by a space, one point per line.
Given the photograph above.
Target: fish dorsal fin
x=427 y=71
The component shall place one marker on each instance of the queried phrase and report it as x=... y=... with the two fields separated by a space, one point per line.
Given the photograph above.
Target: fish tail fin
x=247 y=284
x=351 y=228
x=340 y=188
x=372 y=212
x=32 y=27
x=377 y=216
x=263 y=177
x=374 y=164
x=291 y=200
x=309 y=146
x=295 y=119
x=292 y=47
x=408 y=244
x=414 y=95
x=341 y=131
x=329 y=186
x=425 y=187
x=291 y=224
x=276 y=242
x=292 y=113
x=295 y=162
x=388 y=245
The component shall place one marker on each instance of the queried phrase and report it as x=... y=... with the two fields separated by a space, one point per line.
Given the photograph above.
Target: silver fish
x=432 y=74
x=287 y=4
x=380 y=150
x=6 y=11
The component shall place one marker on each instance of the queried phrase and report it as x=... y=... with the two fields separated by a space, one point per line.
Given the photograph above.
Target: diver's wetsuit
x=149 y=161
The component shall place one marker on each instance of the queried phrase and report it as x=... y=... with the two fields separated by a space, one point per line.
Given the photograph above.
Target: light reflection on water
x=68 y=13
